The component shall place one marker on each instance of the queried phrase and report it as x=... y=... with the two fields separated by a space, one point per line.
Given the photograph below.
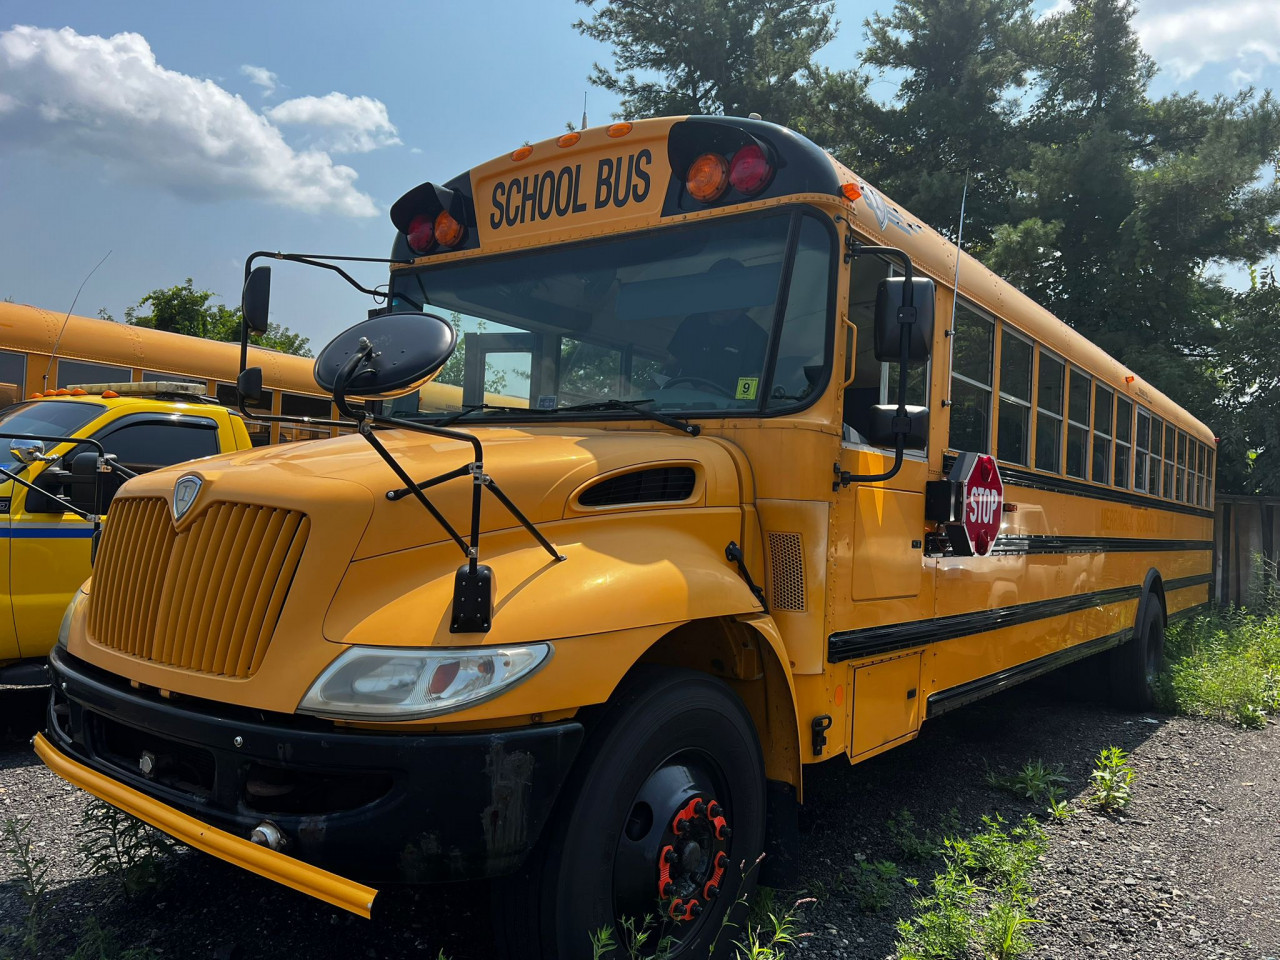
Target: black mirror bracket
x=473 y=582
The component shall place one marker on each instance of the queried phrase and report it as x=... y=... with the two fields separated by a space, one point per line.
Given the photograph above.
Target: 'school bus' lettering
x=533 y=197
x=740 y=557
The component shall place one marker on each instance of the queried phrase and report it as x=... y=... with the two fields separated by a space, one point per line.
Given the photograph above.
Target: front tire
x=663 y=819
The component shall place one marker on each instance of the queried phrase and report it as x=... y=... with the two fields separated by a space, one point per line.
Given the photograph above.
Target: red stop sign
x=983 y=501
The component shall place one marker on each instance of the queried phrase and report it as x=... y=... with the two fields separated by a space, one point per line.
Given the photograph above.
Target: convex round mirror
x=27 y=451
x=408 y=350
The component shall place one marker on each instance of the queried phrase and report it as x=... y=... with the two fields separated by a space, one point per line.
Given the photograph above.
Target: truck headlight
x=64 y=630
x=395 y=683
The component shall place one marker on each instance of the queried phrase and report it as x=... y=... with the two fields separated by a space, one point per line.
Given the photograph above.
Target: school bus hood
x=543 y=471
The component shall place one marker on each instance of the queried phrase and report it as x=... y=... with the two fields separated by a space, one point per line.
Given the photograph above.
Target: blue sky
x=181 y=137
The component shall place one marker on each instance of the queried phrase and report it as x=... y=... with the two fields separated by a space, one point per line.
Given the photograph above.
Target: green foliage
x=914 y=844
x=186 y=310
x=99 y=944
x=1034 y=782
x=715 y=56
x=983 y=892
x=1112 y=780
x=32 y=873
x=1226 y=666
x=118 y=845
x=873 y=885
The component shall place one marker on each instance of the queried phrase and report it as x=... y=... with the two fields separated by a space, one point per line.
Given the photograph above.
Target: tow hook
x=267 y=834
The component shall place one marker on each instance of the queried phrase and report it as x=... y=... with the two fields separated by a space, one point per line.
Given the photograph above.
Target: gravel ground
x=1191 y=870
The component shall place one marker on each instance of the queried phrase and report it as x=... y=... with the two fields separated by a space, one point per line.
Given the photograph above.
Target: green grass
x=1225 y=666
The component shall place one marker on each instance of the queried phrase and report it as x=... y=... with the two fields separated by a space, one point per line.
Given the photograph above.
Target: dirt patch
x=1190 y=870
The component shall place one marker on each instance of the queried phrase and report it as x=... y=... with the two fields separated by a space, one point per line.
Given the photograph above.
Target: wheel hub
x=691 y=869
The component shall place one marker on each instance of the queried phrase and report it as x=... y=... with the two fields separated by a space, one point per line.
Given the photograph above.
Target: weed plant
x=121 y=846
x=32 y=872
x=1112 y=780
x=1226 y=666
x=1036 y=781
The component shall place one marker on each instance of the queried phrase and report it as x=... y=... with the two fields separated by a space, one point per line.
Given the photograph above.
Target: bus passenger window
x=13 y=378
x=971 y=381
x=1169 y=465
x=1141 y=440
x=1049 y=414
x=1078 y=425
x=75 y=371
x=259 y=432
x=300 y=405
x=1124 y=436
x=1101 y=435
x=1154 y=468
x=1015 y=398
x=1180 y=490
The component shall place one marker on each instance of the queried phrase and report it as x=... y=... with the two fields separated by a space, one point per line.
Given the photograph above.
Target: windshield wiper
x=475 y=407
x=633 y=406
x=624 y=406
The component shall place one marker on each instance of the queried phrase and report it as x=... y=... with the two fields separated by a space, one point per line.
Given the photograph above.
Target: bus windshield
x=710 y=318
x=57 y=419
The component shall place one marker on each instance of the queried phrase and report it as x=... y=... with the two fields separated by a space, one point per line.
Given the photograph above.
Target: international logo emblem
x=185 y=492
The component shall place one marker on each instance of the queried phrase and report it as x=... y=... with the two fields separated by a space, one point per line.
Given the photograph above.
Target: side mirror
x=886 y=428
x=249 y=384
x=255 y=300
x=398 y=353
x=83 y=480
x=889 y=328
x=27 y=451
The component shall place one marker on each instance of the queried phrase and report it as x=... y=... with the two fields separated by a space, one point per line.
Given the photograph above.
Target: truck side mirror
x=256 y=299
x=890 y=316
x=83 y=480
x=884 y=429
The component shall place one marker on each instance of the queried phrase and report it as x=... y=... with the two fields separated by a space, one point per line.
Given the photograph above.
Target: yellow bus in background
x=100 y=351
x=781 y=509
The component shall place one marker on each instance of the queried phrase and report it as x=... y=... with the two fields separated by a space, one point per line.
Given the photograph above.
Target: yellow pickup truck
x=52 y=485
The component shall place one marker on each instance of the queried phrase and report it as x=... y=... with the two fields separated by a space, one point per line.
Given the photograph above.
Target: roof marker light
x=77 y=392
x=109 y=395
x=521 y=153
x=851 y=191
x=568 y=140
x=618 y=129
x=708 y=178
x=750 y=170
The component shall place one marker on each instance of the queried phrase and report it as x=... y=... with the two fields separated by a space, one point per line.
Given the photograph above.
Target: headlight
x=64 y=631
x=390 y=683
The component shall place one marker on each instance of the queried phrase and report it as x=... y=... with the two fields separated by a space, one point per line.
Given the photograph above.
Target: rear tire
x=666 y=740
x=1137 y=663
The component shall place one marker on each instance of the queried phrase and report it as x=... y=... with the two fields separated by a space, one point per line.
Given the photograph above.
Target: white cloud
x=108 y=99
x=262 y=77
x=1186 y=35
x=340 y=123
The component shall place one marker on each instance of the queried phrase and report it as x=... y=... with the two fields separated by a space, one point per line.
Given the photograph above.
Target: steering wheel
x=699 y=382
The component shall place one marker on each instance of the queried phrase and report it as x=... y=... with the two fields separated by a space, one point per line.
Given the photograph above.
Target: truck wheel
x=1136 y=664
x=662 y=822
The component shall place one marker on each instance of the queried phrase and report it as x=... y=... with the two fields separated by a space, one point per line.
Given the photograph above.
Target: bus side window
x=13 y=378
x=971 y=352
x=864 y=391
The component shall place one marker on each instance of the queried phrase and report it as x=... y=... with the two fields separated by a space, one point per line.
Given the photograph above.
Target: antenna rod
x=58 y=342
x=955 y=288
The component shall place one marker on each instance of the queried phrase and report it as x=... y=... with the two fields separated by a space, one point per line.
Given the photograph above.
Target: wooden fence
x=1246 y=547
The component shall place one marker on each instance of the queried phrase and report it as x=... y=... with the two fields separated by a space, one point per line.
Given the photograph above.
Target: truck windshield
x=50 y=419
x=711 y=318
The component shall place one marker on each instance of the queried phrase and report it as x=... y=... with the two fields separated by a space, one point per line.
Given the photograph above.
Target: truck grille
x=206 y=598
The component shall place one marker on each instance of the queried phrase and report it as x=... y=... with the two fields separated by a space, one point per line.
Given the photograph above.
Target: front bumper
x=373 y=807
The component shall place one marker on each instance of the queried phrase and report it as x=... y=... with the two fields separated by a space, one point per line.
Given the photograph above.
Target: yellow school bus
x=770 y=491
x=43 y=350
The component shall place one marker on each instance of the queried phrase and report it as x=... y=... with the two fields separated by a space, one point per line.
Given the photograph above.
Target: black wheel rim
x=673 y=853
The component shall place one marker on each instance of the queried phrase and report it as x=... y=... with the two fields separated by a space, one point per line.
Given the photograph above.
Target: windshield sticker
x=535 y=197
x=747 y=387
x=546 y=401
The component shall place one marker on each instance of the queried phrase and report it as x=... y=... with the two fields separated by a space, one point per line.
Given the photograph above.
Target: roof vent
x=655 y=485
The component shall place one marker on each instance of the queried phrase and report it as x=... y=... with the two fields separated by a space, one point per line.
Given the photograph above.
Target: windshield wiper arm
x=633 y=406
x=474 y=408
